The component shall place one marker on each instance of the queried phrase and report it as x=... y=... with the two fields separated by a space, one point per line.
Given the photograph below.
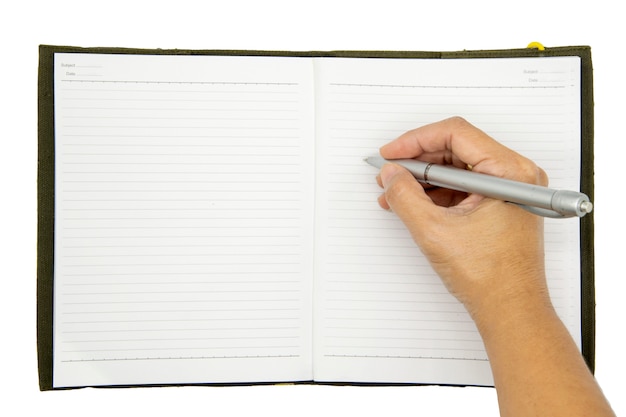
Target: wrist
x=519 y=301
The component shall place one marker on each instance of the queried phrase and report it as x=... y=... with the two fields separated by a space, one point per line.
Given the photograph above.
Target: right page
x=381 y=314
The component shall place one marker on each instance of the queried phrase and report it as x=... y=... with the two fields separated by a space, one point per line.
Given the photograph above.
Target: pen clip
x=541 y=211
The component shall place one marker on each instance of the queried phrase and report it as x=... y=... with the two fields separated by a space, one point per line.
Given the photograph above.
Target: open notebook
x=213 y=221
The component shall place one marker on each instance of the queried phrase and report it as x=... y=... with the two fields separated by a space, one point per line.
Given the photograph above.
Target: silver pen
x=536 y=199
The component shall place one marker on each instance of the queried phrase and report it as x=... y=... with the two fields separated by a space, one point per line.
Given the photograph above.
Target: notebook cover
x=45 y=175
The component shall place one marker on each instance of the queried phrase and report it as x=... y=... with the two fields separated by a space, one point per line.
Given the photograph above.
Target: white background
x=289 y=25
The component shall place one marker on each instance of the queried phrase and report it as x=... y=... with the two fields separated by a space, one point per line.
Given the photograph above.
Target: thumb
x=407 y=198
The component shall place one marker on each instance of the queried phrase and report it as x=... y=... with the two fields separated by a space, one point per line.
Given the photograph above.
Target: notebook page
x=184 y=219
x=383 y=315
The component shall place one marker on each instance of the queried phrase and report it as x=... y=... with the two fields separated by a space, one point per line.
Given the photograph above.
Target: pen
x=537 y=199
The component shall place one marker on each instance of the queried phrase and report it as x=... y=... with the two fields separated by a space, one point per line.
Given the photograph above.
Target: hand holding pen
x=471 y=241
x=490 y=255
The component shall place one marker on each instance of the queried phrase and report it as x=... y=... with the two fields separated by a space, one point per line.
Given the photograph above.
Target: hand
x=484 y=250
x=490 y=255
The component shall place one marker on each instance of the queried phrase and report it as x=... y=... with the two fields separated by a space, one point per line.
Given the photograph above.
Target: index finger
x=444 y=140
x=456 y=141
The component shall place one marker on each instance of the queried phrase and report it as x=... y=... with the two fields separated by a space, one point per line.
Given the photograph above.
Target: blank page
x=184 y=218
x=382 y=313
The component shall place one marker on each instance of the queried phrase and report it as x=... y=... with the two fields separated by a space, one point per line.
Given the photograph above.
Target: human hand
x=486 y=251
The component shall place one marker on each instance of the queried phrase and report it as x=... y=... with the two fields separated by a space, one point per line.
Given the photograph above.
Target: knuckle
x=458 y=122
x=531 y=173
x=542 y=177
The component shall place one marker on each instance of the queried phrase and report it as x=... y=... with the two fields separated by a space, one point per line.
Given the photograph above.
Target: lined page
x=383 y=315
x=184 y=219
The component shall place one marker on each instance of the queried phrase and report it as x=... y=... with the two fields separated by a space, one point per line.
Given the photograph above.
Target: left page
x=183 y=219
